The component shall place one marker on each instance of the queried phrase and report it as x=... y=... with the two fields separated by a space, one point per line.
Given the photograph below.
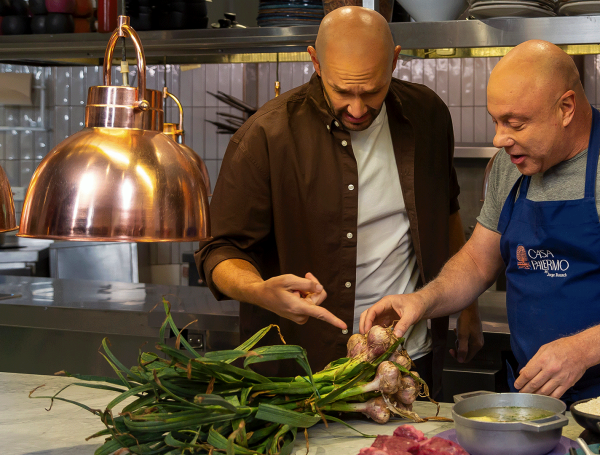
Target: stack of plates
x=281 y=13
x=485 y=9
x=579 y=8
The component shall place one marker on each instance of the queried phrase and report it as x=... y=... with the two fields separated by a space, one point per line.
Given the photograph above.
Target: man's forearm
x=465 y=276
x=236 y=279
x=455 y=288
x=588 y=343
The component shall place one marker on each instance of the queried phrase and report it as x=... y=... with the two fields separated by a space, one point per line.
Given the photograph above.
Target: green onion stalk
x=200 y=403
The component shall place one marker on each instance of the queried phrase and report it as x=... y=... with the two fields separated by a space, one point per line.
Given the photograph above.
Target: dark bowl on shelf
x=142 y=21
x=38 y=24
x=38 y=7
x=59 y=23
x=16 y=25
x=19 y=7
x=588 y=421
x=5 y=9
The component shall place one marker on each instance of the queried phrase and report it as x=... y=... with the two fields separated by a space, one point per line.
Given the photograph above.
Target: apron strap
x=509 y=205
x=592 y=158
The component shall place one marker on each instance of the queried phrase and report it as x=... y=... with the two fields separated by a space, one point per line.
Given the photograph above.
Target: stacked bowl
x=486 y=9
x=579 y=7
x=282 y=13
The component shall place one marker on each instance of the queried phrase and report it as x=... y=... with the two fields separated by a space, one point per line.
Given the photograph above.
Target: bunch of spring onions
x=202 y=404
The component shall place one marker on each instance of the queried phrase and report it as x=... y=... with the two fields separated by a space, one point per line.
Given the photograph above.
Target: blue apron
x=552 y=256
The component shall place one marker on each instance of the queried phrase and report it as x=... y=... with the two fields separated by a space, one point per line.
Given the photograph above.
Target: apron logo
x=530 y=259
x=522 y=261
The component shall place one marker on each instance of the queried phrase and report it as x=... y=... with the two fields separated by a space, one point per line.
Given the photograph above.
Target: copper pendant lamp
x=175 y=132
x=8 y=221
x=120 y=178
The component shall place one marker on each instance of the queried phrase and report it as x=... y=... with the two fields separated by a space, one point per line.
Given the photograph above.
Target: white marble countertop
x=27 y=428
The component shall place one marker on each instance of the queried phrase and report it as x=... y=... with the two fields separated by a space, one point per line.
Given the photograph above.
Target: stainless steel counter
x=55 y=324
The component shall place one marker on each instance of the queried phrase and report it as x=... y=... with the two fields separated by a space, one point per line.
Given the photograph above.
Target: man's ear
x=397 y=50
x=567 y=106
x=315 y=60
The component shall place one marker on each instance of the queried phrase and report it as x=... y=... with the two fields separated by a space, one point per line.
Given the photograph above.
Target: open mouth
x=517 y=159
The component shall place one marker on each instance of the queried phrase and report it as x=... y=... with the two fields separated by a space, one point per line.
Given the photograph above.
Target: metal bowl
x=588 y=421
x=534 y=437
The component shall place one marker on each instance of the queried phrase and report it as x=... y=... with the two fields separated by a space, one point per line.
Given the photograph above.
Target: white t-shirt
x=386 y=262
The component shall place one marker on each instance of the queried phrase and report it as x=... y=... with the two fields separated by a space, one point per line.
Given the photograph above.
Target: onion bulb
x=357 y=345
x=401 y=359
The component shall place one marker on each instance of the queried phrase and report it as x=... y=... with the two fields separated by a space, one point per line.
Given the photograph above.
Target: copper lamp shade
x=119 y=178
x=8 y=221
x=175 y=132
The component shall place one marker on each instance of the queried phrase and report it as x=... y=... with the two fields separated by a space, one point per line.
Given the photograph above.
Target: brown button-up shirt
x=287 y=196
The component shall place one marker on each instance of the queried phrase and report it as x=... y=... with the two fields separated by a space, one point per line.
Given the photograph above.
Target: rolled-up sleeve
x=241 y=209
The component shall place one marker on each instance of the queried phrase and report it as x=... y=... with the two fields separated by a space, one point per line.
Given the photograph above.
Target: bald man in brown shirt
x=285 y=208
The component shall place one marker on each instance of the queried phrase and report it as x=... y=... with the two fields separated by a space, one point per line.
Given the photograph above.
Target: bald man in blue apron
x=540 y=220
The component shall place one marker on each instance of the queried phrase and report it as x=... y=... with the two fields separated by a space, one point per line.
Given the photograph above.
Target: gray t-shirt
x=565 y=181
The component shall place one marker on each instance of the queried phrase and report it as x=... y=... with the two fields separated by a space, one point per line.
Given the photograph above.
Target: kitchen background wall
x=461 y=83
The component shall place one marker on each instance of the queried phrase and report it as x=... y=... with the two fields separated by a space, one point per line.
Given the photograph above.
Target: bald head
x=538 y=104
x=354 y=58
x=537 y=66
x=356 y=33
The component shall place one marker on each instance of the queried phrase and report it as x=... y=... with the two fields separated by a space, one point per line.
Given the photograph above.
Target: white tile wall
x=461 y=83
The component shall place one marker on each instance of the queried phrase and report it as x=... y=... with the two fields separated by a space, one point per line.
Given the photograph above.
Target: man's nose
x=357 y=108
x=502 y=138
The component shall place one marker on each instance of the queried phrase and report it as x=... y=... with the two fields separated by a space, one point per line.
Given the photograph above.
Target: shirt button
x=348 y=284
x=350 y=187
x=336 y=123
x=345 y=331
x=349 y=235
x=344 y=143
x=328 y=127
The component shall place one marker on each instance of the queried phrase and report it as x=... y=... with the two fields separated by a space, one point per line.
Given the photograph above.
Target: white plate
x=580 y=8
x=513 y=3
x=508 y=10
x=542 y=3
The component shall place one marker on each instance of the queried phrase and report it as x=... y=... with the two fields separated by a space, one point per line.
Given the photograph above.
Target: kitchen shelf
x=465 y=38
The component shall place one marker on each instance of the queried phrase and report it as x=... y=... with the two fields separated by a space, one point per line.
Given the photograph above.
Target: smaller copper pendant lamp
x=119 y=178
x=8 y=221
x=175 y=132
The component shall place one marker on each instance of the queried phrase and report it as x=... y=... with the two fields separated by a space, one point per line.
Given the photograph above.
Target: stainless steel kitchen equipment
x=102 y=261
x=535 y=437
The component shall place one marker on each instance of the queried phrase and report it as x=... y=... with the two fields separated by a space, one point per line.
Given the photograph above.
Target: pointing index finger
x=325 y=315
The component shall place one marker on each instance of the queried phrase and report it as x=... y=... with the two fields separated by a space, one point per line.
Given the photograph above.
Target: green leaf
x=289 y=440
x=269 y=353
x=131 y=392
x=175 y=330
x=279 y=415
x=251 y=342
x=220 y=442
x=118 y=363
